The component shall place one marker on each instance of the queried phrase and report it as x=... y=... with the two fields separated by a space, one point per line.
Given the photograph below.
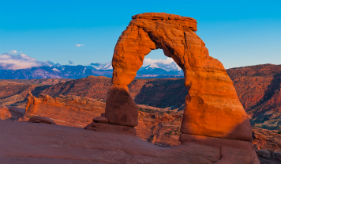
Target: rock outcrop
x=259 y=90
x=212 y=107
x=13 y=93
x=269 y=157
x=155 y=125
x=11 y=113
x=267 y=139
x=65 y=110
x=5 y=113
x=43 y=120
x=159 y=126
x=94 y=87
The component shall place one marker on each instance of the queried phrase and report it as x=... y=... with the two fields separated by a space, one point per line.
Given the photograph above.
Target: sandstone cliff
x=259 y=90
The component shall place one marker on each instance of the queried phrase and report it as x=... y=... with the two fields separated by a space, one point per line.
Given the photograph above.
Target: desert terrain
x=67 y=103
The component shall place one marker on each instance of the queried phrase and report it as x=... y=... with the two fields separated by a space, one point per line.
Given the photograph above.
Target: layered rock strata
x=65 y=110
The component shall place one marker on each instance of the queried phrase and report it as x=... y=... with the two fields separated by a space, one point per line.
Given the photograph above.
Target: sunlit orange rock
x=63 y=110
x=5 y=113
x=212 y=107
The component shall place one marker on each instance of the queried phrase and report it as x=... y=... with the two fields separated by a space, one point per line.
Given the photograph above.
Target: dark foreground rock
x=44 y=120
x=269 y=157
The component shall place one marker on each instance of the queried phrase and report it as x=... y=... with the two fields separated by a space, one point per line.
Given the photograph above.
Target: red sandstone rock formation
x=69 y=111
x=267 y=139
x=159 y=126
x=13 y=92
x=94 y=87
x=264 y=78
x=259 y=90
x=212 y=107
x=11 y=113
x=5 y=113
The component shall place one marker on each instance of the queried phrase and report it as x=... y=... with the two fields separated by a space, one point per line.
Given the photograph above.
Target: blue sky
x=238 y=33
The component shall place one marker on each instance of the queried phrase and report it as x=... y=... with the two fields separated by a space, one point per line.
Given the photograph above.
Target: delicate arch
x=212 y=107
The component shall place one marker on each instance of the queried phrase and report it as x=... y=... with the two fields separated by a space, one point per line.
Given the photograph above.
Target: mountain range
x=16 y=65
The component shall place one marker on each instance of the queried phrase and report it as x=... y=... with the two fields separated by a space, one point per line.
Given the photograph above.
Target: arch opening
x=157 y=65
x=159 y=93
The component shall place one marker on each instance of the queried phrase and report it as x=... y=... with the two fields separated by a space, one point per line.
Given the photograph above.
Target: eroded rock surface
x=43 y=120
x=155 y=125
x=212 y=107
x=22 y=142
x=5 y=113
x=159 y=126
x=68 y=110
x=259 y=90
x=10 y=113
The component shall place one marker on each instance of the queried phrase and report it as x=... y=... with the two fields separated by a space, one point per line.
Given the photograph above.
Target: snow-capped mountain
x=58 y=71
x=16 y=65
x=102 y=66
x=167 y=64
x=159 y=69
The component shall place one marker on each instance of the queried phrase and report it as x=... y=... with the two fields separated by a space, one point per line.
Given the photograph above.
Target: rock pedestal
x=121 y=108
x=102 y=124
x=231 y=151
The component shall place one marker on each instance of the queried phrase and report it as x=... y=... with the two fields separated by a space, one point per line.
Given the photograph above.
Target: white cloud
x=79 y=45
x=149 y=61
x=14 y=52
x=13 y=60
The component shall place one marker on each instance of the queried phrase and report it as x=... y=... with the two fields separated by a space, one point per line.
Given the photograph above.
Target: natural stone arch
x=212 y=107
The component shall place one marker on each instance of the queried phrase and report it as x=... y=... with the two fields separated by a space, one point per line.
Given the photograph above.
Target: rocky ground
x=23 y=142
x=76 y=102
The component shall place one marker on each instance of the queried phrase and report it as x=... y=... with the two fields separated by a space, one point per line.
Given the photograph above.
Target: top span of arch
x=186 y=22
